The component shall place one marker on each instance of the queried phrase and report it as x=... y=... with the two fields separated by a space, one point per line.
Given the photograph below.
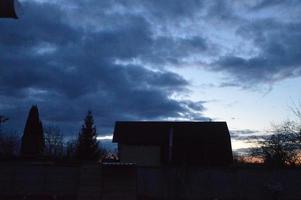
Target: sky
x=222 y=60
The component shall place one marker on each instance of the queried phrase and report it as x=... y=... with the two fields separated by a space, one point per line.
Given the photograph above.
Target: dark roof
x=157 y=132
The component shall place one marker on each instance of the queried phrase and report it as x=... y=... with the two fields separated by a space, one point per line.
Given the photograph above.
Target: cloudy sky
x=224 y=60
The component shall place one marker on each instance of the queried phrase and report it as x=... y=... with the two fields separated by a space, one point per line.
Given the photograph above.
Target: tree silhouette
x=9 y=143
x=54 y=142
x=71 y=149
x=33 y=138
x=281 y=148
x=87 y=145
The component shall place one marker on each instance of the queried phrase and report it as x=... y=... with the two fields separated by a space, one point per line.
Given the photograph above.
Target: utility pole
x=170 y=144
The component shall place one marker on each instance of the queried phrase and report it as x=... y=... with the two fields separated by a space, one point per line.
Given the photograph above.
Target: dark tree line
x=49 y=143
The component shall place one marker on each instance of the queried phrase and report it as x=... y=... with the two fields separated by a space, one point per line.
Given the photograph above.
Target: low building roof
x=157 y=132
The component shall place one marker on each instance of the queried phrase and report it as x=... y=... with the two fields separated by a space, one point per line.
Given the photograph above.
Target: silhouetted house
x=156 y=143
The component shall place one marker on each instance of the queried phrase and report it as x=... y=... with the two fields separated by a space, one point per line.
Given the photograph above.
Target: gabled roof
x=157 y=132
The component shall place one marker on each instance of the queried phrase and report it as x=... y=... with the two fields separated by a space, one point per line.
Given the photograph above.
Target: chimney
x=170 y=143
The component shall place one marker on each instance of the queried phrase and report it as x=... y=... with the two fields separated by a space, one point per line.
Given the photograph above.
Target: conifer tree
x=87 y=145
x=33 y=138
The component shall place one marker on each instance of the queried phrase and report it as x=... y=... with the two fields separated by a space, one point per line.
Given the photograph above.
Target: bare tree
x=54 y=141
x=296 y=109
x=9 y=142
x=281 y=148
x=71 y=146
x=9 y=145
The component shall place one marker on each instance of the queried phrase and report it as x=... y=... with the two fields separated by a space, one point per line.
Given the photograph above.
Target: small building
x=149 y=143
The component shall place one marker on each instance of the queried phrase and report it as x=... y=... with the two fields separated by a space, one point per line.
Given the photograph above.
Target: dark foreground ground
x=91 y=181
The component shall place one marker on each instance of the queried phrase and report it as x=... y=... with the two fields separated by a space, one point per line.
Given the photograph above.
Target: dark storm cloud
x=174 y=9
x=270 y=3
x=279 y=54
x=172 y=51
x=114 y=56
x=245 y=134
x=248 y=136
x=275 y=37
x=67 y=69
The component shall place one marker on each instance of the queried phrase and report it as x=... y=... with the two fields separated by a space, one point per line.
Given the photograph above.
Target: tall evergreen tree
x=87 y=145
x=33 y=138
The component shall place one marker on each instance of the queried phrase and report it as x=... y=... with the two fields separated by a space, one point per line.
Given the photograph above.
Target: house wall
x=137 y=154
